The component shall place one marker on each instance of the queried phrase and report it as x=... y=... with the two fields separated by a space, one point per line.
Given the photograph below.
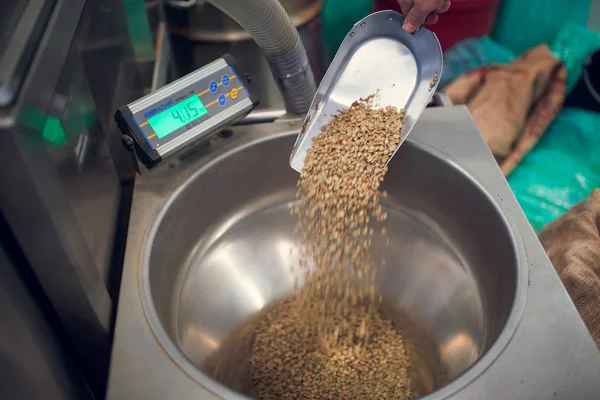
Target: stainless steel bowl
x=222 y=248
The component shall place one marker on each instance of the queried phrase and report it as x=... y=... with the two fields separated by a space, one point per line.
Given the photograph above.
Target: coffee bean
x=329 y=341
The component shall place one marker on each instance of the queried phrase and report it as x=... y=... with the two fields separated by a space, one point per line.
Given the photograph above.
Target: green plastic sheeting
x=337 y=18
x=471 y=54
x=573 y=44
x=564 y=167
x=561 y=170
x=522 y=24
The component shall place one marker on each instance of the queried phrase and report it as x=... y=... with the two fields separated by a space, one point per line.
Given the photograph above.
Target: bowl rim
x=495 y=349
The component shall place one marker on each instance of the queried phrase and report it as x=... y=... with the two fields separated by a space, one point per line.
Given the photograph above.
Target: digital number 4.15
x=187 y=113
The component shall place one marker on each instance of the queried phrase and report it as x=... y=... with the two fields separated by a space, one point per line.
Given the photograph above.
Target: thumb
x=414 y=19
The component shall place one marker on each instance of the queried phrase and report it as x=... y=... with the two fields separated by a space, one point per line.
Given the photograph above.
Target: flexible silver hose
x=271 y=28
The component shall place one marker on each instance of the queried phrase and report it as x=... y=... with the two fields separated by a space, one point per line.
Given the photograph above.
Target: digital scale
x=185 y=111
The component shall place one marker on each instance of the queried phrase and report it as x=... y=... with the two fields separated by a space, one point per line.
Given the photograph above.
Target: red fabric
x=465 y=19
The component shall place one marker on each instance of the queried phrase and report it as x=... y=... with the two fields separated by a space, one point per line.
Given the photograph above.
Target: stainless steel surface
x=471 y=256
x=451 y=281
x=111 y=61
x=271 y=28
x=440 y=99
x=206 y=23
x=162 y=63
x=23 y=23
x=33 y=360
x=377 y=58
x=61 y=191
x=191 y=55
x=53 y=203
x=185 y=4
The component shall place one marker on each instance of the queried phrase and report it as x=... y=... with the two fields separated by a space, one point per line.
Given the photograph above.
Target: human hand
x=419 y=12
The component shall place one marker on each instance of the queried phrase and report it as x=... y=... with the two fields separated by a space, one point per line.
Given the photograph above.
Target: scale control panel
x=186 y=111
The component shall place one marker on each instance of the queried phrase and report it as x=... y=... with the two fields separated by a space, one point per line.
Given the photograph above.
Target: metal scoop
x=377 y=58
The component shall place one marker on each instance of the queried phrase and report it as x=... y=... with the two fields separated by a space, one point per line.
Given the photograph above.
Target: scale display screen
x=185 y=112
x=177 y=116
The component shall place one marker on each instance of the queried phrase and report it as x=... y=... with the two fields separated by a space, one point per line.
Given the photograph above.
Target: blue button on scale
x=213 y=86
x=222 y=100
x=225 y=80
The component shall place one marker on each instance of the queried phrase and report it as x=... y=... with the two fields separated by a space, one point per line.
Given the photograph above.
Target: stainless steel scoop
x=377 y=58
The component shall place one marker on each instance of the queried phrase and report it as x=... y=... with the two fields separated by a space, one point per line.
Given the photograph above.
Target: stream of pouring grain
x=329 y=341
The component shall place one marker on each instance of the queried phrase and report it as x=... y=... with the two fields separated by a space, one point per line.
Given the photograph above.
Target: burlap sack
x=513 y=104
x=573 y=245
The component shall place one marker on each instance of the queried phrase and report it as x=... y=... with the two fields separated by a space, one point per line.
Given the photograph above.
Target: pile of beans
x=329 y=341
